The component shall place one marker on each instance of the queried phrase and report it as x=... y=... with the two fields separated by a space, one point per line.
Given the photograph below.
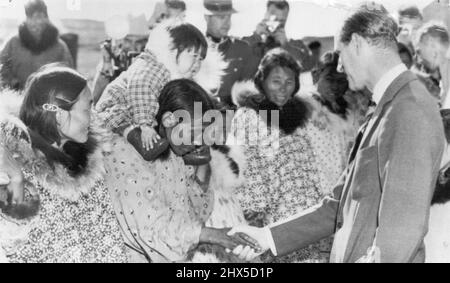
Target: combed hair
x=433 y=30
x=374 y=25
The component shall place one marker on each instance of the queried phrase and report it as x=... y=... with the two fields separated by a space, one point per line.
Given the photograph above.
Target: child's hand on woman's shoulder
x=149 y=137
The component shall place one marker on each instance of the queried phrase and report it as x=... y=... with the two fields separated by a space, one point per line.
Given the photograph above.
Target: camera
x=121 y=55
x=272 y=24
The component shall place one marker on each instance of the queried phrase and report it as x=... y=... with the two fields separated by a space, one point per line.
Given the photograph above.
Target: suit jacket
x=383 y=198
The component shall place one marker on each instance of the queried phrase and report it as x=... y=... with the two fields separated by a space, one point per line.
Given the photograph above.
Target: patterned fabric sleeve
x=143 y=90
x=245 y=131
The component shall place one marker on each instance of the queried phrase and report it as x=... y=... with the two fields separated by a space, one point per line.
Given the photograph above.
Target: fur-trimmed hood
x=228 y=165
x=48 y=39
x=296 y=113
x=213 y=67
x=59 y=179
x=305 y=107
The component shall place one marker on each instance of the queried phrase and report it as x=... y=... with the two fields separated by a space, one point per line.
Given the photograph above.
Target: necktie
x=359 y=138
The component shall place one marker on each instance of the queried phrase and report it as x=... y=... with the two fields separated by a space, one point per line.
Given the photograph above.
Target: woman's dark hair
x=34 y=6
x=181 y=95
x=277 y=57
x=186 y=36
x=56 y=85
x=336 y=83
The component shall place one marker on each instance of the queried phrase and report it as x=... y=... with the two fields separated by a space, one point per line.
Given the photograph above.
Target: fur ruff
x=57 y=180
x=228 y=166
x=228 y=163
x=213 y=66
x=245 y=94
x=48 y=39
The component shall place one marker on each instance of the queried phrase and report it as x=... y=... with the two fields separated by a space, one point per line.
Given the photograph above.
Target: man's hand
x=219 y=237
x=248 y=253
x=261 y=29
x=11 y=177
x=280 y=36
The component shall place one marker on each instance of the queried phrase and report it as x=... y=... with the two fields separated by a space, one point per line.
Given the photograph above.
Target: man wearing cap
x=36 y=44
x=242 y=64
x=270 y=33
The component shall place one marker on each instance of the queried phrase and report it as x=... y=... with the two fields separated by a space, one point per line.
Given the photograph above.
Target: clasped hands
x=245 y=242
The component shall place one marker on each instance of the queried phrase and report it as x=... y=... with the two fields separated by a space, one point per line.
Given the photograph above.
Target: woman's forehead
x=280 y=71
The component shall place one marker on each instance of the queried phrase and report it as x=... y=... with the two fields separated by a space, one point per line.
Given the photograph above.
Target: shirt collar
x=386 y=80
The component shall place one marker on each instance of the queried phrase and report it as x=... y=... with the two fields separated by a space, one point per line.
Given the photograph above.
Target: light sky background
x=307 y=18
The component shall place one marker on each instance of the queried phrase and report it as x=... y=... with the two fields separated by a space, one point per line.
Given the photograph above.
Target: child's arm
x=144 y=86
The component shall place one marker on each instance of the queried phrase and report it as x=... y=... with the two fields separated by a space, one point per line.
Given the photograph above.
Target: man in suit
x=380 y=207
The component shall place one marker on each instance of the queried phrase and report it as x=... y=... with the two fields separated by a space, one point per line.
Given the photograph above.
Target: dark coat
x=242 y=65
x=296 y=48
x=22 y=55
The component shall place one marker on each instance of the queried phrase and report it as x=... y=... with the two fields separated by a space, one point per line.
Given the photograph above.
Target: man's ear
x=357 y=42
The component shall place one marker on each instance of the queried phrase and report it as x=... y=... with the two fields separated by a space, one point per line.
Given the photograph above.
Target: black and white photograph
x=248 y=132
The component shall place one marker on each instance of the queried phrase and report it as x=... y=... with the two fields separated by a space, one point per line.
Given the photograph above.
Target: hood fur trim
x=58 y=181
x=295 y=114
x=228 y=165
x=48 y=39
x=245 y=94
x=335 y=122
x=213 y=66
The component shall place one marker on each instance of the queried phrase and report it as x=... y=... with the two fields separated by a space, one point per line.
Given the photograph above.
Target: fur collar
x=58 y=179
x=48 y=39
x=213 y=66
x=295 y=114
x=228 y=165
x=335 y=121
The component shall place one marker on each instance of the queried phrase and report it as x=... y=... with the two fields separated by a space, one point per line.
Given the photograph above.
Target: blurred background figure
x=439 y=11
x=432 y=52
x=410 y=20
x=242 y=63
x=168 y=9
x=316 y=50
x=36 y=44
x=406 y=55
x=127 y=38
x=270 y=33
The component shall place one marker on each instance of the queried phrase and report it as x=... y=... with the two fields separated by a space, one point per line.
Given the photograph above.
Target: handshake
x=254 y=242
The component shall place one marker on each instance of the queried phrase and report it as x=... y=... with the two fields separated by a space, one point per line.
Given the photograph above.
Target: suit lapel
x=395 y=87
x=367 y=129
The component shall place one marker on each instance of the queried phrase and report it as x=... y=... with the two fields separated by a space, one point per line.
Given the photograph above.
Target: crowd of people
x=207 y=148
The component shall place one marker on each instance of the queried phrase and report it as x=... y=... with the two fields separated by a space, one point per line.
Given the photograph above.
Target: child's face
x=189 y=63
